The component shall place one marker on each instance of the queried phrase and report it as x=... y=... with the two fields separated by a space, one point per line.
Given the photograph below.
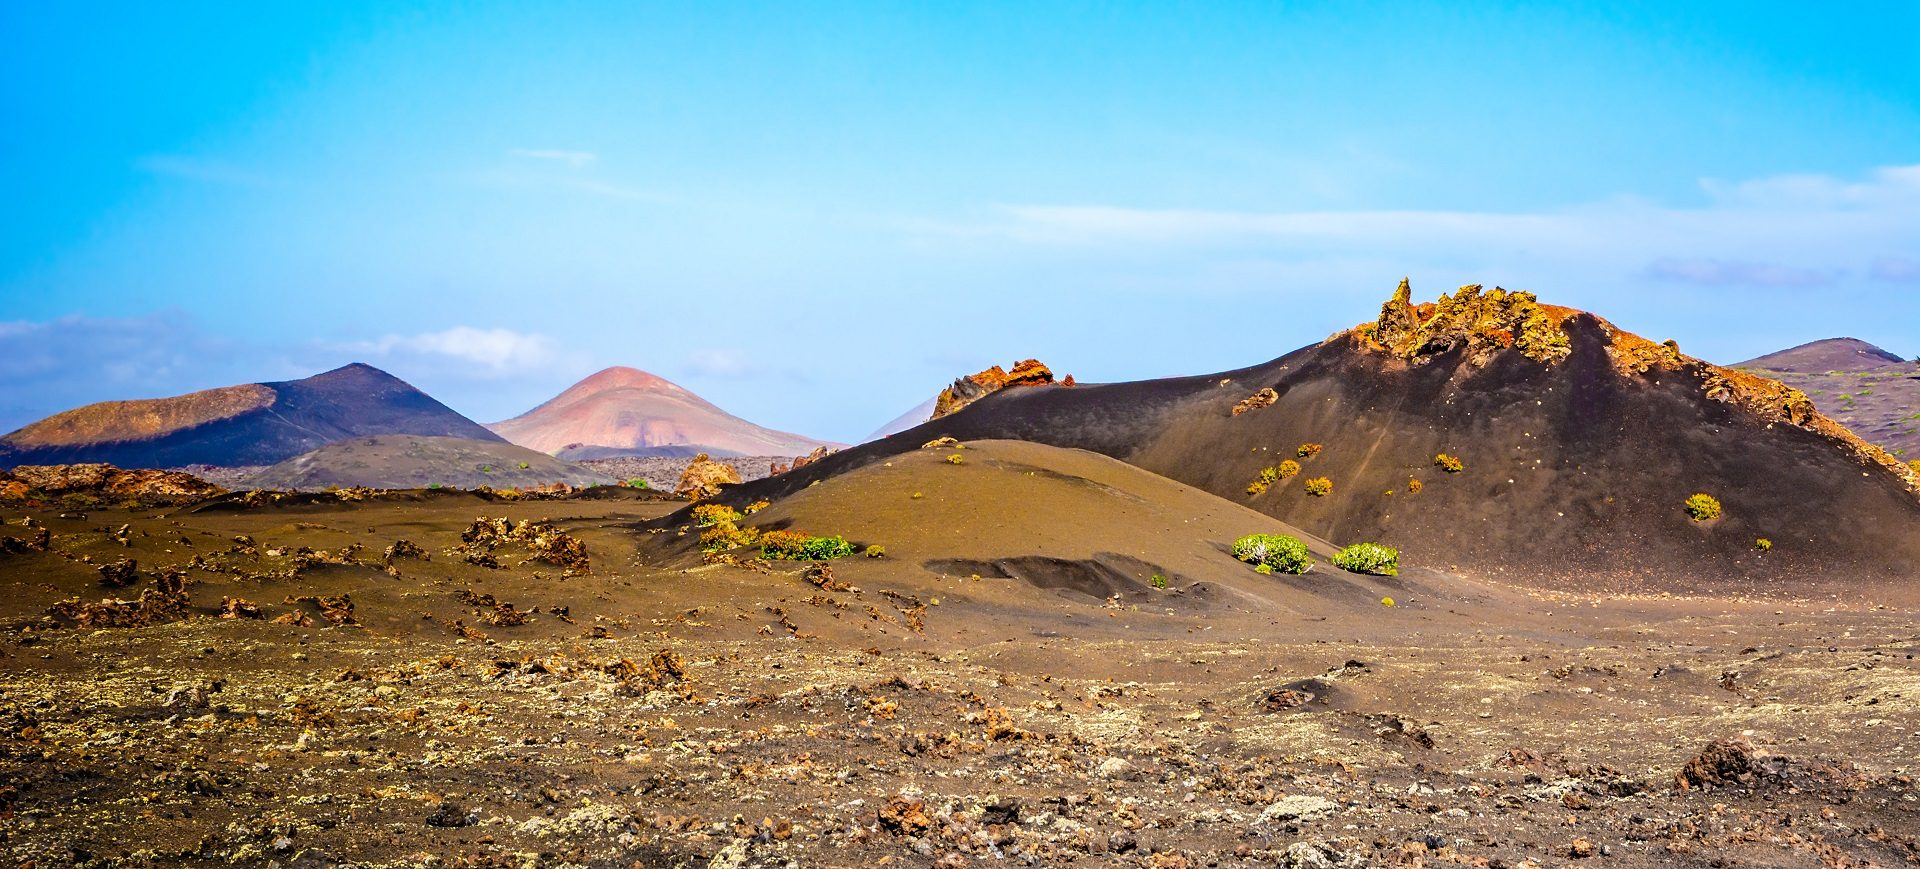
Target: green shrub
x=1450 y=464
x=1369 y=558
x=874 y=552
x=1702 y=507
x=1307 y=450
x=1319 y=486
x=1763 y=545
x=710 y=515
x=795 y=546
x=956 y=459
x=637 y=483
x=1159 y=580
x=524 y=466
x=1263 y=569
x=1274 y=552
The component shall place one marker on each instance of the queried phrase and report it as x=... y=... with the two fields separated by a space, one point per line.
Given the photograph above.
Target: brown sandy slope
x=628 y=411
x=416 y=462
x=1017 y=517
x=254 y=424
x=1874 y=393
x=1576 y=470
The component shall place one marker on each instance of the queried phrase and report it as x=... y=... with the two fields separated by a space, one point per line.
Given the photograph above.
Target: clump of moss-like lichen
x=1702 y=507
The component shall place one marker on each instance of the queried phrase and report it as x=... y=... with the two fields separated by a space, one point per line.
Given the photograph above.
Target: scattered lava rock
x=704 y=478
x=1264 y=398
x=972 y=388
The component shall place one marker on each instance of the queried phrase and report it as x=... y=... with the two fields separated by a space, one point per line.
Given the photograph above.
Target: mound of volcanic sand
x=1077 y=525
x=415 y=462
x=1875 y=394
x=1580 y=444
x=625 y=411
x=102 y=484
x=255 y=424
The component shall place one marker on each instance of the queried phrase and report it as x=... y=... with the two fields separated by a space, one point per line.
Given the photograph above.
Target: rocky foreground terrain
x=383 y=680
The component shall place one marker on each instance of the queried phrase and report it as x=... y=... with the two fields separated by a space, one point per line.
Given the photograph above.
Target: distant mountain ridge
x=249 y=424
x=625 y=411
x=1871 y=391
x=1830 y=354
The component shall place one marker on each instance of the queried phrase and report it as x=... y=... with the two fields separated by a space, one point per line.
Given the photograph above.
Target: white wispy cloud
x=495 y=352
x=574 y=159
x=1778 y=231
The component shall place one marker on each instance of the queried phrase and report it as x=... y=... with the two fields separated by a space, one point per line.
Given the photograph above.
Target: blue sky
x=816 y=214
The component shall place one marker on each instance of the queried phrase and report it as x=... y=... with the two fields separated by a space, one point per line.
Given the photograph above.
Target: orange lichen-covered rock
x=1480 y=321
x=1264 y=398
x=704 y=478
x=972 y=388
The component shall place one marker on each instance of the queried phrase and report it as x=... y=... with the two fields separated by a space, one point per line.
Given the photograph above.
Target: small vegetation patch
x=798 y=546
x=636 y=483
x=729 y=536
x=1414 y=486
x=1307 y=450
x=1319 y=487
x=1369 y=558
x=710 y=515
x=1702 y=507
x=1763 y=545
x=1288 y=469
x=1915 y=465
x=956 y=459
x=1450 y=464
x=1274 y=552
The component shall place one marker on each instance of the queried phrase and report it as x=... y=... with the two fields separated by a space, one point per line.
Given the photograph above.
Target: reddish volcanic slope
x=626 y=411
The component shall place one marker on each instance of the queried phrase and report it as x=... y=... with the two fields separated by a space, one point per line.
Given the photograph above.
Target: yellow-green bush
x=1369 y=558
x=1273 y=552
x=1319 y=486
x=710 y=515
x=1450 y=464
x=1287 y=469
x=1702 y=507
x=1307 y=450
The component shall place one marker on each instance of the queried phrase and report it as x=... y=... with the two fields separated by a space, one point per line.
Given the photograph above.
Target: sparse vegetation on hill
x=1450 y=464
x=1280 y=552
x=710 y=515
x=1763 y=544
x=1307 y=450
x=797 y=546
x=1703 y=507
x=1369 y=558
x=1319 y=487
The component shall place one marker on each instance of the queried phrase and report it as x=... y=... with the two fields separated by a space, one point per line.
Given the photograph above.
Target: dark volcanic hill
x=252 y=424
x=1874 y=393
x=628 y=412
x=1831 y=354
x=1579 y=442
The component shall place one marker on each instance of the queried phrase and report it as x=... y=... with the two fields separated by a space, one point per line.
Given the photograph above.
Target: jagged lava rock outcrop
x=973 y=387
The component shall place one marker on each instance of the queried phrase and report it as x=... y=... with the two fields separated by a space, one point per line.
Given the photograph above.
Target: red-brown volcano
x=626 y=411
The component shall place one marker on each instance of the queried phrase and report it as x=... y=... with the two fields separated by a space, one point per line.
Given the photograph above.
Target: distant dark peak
x=1831 y=354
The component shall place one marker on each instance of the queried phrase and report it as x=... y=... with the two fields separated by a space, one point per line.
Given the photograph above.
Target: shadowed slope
x=254 y=424
x=1575 y=468
x=415 y=462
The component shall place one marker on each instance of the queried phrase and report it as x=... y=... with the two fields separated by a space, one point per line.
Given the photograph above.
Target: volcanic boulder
x=704 y=478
